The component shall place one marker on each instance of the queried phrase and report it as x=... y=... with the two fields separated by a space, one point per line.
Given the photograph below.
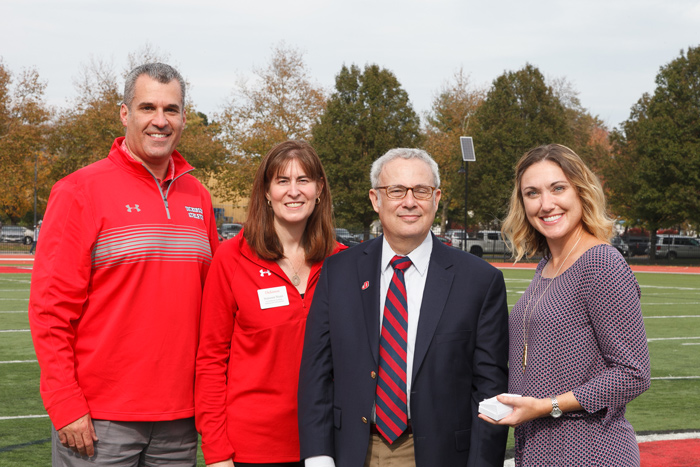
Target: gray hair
x=404 y=153
x=158 y=71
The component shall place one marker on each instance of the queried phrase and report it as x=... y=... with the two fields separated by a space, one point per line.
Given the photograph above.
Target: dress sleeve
x=60 y=280
x=615 y=312
x=219 y=307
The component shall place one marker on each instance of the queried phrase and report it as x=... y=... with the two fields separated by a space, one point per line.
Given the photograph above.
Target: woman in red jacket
x=256 y=299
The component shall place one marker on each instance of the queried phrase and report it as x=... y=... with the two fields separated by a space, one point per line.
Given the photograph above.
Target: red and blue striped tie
x=392 y=413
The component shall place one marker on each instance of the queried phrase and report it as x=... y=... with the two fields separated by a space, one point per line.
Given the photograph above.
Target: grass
x=664 y=407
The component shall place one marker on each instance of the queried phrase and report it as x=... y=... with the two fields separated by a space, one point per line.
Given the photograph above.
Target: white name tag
x=273 y=297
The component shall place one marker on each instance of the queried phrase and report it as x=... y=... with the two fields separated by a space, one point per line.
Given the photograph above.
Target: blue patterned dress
x=586 y=335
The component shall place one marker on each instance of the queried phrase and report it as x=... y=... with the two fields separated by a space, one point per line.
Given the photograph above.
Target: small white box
x=494 y=409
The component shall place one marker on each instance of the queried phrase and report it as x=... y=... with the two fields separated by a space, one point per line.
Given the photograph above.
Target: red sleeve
x=216 y=330
x=60 y=279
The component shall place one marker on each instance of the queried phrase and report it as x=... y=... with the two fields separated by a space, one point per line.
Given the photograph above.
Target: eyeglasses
x=399 y=191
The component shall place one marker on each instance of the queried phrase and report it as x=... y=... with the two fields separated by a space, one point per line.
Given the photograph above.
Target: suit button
x=364 y=419
x=373 y=375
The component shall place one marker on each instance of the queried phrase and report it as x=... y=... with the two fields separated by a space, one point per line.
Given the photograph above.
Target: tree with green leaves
x=520 y=112
x=87 y=130
x=654 y=176
x=23 y=159
x=368 y=114
x=448 y=119
x=282 y=103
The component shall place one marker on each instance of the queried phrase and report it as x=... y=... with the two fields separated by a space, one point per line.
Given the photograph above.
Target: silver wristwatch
x=556 y=411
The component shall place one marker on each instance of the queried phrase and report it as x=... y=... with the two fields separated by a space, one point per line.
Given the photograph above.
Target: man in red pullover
x=116 y=290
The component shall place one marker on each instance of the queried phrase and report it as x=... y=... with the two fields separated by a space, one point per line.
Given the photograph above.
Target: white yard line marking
x=679 y=316
x=671 y=339
x=676 y=377
x=19 y=281
x=14 y=299
x=19 y=361
x=668 y=437
x=19 y=417
x=14 y=330
x=670 y=304
x=14 y=311
x=691 y=343
x=668 y=287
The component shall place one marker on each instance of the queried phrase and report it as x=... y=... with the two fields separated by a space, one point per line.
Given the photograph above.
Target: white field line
x=14 y=330
x=668 y=287
x=670 y=303
x=19 y=281
x=19 y=361
x=19 y=417
x=674 y=377
x=14 y=290
x=680 y=316
x=691 y=343
x=14 y=299
x=14 y=311
x=686 y=273
x=17 y=259
x=653 y=339
x=668 y=437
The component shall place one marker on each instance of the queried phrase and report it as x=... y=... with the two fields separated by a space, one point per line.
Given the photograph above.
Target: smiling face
x=552 y=205
x=406 y=221
x=292 y=195
x=154 y=121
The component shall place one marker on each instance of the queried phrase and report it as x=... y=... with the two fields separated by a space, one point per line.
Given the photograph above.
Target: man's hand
x=79 y=436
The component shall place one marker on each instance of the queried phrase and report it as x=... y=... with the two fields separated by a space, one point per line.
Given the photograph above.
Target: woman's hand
x=524 y=410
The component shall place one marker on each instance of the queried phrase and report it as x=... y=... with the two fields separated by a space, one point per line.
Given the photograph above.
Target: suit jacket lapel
x=437 y=289
x=368 y=271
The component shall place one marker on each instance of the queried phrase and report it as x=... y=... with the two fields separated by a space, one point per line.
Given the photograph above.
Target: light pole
x=36 y=163
x=467 y=156
x=464 y=170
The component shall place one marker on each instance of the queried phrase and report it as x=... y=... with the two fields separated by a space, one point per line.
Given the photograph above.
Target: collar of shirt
x=420 y=257
x=171 y=166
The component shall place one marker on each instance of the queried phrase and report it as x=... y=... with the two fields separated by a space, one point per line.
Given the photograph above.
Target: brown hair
x=524 y=239
x=319 y=238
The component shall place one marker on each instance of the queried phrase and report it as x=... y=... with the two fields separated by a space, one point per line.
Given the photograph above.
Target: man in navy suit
x=447 y=355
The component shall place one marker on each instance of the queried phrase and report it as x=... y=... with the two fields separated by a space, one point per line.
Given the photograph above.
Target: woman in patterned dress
x=578 y=351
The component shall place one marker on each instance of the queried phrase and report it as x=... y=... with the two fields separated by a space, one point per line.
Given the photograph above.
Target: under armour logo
x=129 y=208
x=265 y=271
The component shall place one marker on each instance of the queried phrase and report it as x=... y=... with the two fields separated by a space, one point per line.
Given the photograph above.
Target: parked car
x=487 y=241
x=230 y=230
x=344 y=237
x=456 y=236
x=621 y=246
x=638 y=245
x=444 y=240
x=677 y=246
x=16 y=234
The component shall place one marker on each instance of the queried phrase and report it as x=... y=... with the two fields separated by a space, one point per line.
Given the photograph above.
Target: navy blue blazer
x=460 y=358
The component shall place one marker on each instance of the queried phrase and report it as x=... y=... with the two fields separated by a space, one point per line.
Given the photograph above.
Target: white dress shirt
x=415 y=277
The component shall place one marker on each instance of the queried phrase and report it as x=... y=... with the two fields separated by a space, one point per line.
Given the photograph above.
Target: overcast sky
x=610 y=50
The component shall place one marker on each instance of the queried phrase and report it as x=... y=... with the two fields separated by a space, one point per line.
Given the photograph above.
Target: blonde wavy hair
x=523 y=238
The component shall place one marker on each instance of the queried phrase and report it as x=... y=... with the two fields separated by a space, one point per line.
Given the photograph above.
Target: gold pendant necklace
x=296 y=280
x=526 y=321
